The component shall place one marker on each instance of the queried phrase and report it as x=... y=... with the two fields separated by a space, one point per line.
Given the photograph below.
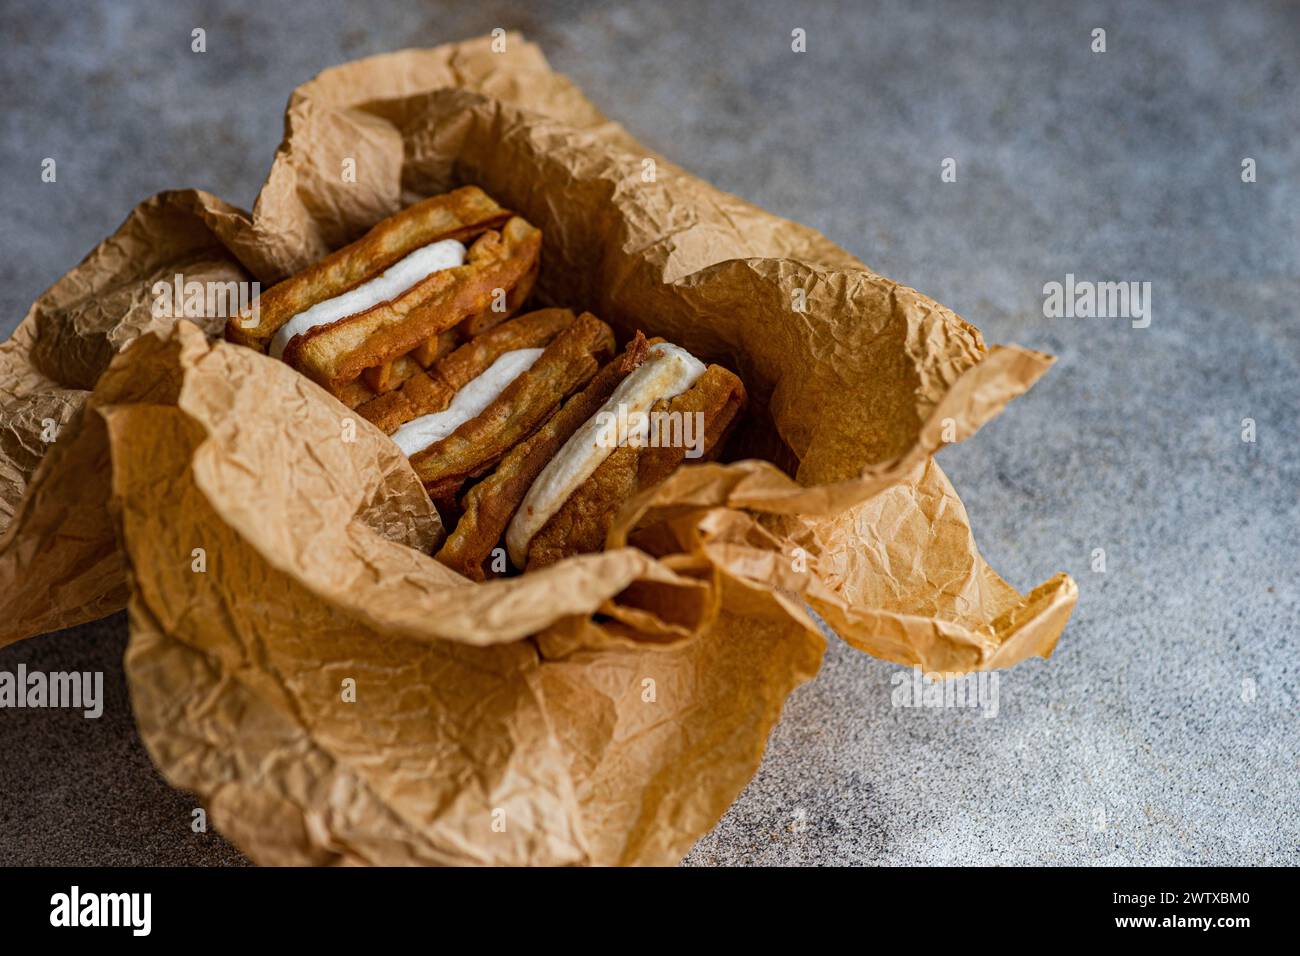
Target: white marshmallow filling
x=667 y=372
x=469 y=402
x=400 y=277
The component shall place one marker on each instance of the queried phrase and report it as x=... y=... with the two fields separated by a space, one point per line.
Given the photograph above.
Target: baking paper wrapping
x=335 y=695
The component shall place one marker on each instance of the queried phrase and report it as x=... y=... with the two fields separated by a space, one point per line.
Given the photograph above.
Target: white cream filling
x=396 y=279
x=470 y=401
x=656 y=379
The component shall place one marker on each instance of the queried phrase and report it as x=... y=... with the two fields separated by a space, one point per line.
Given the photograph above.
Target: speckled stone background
x=1164 y=730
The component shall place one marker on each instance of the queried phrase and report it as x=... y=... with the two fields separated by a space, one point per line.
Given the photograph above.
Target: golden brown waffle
x=372 y=352
x=571 y=360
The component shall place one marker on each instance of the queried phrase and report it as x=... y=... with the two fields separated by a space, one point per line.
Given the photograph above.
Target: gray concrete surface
x=1164 y=730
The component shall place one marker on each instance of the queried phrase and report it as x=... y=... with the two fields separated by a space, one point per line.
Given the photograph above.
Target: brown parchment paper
x=335 y=695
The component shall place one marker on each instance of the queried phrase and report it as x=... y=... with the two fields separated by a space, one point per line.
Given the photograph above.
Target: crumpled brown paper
x=605 y=710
